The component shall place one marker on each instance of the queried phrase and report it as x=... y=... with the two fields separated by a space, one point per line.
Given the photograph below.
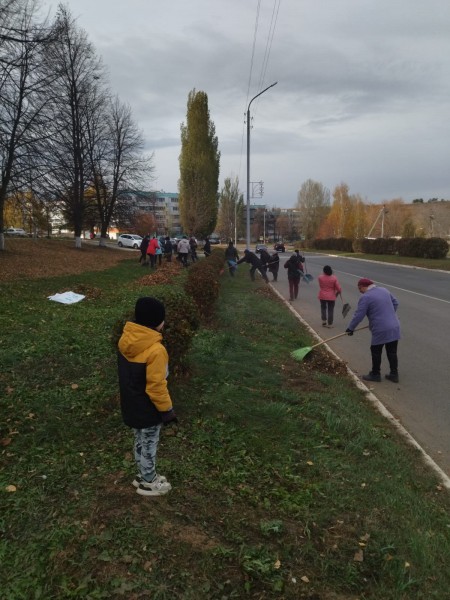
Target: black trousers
x=327 y=306
x=262 y=270
x=391 y=353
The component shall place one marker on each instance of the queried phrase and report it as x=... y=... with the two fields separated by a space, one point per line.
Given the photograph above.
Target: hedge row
x=187 y=300
x=416 y=247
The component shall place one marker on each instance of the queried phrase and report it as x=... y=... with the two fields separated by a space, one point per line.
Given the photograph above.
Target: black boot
x=372 y=377
x=392 y=377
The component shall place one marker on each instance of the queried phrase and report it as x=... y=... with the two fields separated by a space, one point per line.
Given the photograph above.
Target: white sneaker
x=138 y=480
x=155 y=488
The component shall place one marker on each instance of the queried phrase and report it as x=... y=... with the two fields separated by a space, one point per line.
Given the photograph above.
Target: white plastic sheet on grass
x=67 y=297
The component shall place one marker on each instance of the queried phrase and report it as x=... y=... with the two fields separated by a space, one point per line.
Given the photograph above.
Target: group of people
x=265 y=262
x=376 y=303
x=153 y=249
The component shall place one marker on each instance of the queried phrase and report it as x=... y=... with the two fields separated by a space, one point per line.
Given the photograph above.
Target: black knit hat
x=149 y=312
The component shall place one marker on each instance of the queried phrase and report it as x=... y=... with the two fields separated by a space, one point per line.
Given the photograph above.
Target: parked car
x=214 y=240
x=129 y=240
x=16 y=231
x=260 y=247
x=280 y=247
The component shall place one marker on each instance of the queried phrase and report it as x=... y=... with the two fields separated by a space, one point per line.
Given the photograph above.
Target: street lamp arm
x=248 y=161
x=257 y=95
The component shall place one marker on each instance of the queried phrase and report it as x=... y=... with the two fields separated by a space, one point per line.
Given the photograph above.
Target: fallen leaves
x=54 y=257
x=359 y=556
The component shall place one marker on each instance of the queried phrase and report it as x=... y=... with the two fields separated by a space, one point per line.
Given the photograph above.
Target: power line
x=270 y=36
x=255 y=34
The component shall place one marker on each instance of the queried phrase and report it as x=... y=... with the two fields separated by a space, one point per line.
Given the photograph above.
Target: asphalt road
x=421 y=401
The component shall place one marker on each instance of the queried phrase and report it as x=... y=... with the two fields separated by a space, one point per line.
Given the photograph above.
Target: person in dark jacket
x=168 y=249
x=193 y=246
x=294 y=268
x=144 y=398
x=207 y=247
x=273 y=265
x=143 y=248
x=252 y=259
x=264 y=257
x=231 y=256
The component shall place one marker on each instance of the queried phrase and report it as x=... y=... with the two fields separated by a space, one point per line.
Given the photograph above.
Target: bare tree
x=71 y=104
x=22 y=118
x=117 y=160
x=314 y=203
x=231 y=207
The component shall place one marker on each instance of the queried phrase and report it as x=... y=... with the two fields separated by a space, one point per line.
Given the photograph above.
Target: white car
x=16 y=231
x=129 y=240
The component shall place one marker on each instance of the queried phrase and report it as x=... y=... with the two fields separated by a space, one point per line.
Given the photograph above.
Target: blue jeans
x=145 y=447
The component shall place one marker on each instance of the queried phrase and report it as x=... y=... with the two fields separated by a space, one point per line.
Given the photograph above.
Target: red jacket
x=153 y=244
x=329 y=287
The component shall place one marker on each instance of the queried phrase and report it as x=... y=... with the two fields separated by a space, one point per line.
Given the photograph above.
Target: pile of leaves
x=162 y=275
x=39 y=258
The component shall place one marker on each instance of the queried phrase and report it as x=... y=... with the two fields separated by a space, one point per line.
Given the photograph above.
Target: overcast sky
x=363 y=92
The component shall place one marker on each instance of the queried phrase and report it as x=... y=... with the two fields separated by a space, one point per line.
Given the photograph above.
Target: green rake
x=302 y=352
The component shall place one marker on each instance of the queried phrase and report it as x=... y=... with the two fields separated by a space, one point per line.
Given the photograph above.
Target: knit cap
x=365 y=282
x=149 y=312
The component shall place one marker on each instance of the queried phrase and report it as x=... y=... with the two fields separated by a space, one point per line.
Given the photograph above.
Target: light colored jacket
x=379 y=306
x=184 y=246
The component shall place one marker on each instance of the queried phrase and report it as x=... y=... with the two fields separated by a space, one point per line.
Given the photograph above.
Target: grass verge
x=286 y=484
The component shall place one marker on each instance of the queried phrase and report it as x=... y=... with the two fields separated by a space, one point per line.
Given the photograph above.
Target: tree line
x=68 y=145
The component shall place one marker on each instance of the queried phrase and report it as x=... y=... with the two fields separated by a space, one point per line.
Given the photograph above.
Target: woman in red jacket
x=329 y=290
x=152 y=251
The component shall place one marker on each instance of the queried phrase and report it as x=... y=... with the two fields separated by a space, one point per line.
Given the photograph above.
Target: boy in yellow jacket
x=144 y=398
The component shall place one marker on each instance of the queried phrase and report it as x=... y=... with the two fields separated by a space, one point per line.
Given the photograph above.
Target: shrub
x=411 y=247
x=203 y=282
x=357 y=245
x=342 y=244
x=435 y=248
x=182 y=320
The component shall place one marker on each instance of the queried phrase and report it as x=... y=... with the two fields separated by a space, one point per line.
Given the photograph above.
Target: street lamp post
x=264 y=227
x=248 y=162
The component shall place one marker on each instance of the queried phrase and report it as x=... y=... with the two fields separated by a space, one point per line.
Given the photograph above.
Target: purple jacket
x=379 y=306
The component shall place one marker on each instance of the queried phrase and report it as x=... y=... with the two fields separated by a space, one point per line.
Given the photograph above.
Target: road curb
x=377 y=262
x=375 y=401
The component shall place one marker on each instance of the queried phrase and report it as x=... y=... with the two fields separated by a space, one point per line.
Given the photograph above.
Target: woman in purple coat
x=379 y=306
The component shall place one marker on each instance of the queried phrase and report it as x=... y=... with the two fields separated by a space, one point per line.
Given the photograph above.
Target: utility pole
x=248 y=162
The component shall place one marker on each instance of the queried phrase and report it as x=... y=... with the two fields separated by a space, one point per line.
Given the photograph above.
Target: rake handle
x=338 y=336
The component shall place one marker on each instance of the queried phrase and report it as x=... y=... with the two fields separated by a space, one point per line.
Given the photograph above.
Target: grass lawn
x=286 y=483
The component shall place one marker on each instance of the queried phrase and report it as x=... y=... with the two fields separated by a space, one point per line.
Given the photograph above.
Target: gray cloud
x=362 y=93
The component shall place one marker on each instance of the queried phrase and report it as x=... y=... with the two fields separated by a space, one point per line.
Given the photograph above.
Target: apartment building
x=164 y=206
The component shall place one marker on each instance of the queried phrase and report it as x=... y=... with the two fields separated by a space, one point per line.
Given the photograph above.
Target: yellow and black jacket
x=143 y=369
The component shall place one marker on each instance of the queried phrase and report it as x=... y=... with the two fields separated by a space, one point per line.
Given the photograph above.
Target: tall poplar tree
x=199 y=168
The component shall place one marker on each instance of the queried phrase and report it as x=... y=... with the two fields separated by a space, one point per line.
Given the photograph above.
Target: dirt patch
x=35 y=259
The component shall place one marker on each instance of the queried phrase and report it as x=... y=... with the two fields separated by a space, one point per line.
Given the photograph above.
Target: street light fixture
x=248 y=161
